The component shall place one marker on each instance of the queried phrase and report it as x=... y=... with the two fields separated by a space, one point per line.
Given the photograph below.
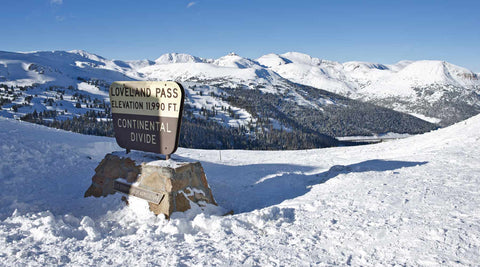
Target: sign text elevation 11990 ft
x=147 y=115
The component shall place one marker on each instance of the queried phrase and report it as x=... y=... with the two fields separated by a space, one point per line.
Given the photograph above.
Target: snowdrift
x=411 y=202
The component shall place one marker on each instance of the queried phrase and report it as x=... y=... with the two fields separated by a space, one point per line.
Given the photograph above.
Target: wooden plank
x=150 y=196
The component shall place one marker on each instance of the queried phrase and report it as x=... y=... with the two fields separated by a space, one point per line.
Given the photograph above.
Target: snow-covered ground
x=413 y=201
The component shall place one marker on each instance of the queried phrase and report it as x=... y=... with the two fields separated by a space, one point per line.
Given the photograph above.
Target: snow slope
x=368 y=79
x=59 y=68
x=413 y=201
x=304 y=69
x=419 y=74
x=177 y=58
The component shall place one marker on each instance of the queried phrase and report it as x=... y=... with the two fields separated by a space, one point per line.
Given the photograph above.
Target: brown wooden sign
x=147 y=115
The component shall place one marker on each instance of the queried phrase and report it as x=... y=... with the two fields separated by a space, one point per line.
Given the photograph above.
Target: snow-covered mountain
x=77 y=81
x=232 y=91
x=410 y=202
x=60 y=68
x=177 y=58
x=369 y=79
x=434 y=91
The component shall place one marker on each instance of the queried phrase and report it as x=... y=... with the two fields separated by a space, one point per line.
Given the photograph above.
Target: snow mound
x=84 y=54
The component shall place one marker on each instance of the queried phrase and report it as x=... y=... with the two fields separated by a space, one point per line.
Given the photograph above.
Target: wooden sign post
x=147 y=115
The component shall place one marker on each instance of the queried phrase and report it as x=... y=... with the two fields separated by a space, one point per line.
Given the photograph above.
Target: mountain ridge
x=252 y=95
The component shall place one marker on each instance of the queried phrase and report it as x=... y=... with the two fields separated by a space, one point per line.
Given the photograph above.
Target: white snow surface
x=235 y=61
x=83 y=86
x=411 y=202
x=426 y=118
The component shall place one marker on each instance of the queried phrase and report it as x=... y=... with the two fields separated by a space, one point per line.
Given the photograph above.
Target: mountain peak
x=437 y=71
x=85 y=54
x=301 y=58
x=272 y=60
x=177 y=58
x=236 y=61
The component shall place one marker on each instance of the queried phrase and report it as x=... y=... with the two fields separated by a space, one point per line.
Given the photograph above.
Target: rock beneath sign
x=168 y=185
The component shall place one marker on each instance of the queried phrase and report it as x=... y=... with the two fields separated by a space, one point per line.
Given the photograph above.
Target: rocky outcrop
x=111 y=168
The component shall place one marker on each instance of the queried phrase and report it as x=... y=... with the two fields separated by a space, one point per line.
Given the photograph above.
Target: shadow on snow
x=249 y=187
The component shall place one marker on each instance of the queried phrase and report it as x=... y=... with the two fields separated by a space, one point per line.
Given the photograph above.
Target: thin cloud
x=191 y=4
x=56 y=2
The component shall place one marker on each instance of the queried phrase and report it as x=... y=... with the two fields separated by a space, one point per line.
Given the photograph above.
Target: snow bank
x=413 y=201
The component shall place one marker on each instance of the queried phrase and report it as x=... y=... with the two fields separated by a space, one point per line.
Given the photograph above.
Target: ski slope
x=413 y=201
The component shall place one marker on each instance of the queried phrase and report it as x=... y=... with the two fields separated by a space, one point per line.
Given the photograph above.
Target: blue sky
x=376 y=31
